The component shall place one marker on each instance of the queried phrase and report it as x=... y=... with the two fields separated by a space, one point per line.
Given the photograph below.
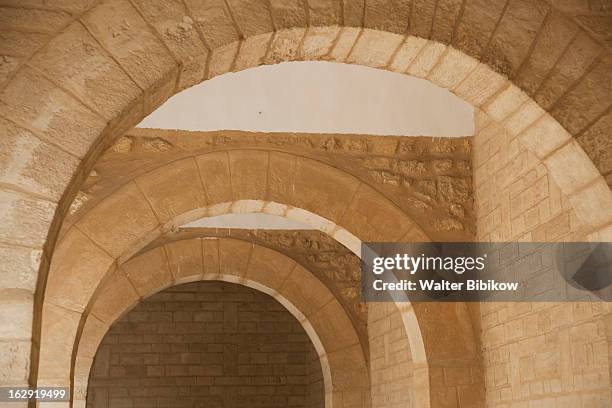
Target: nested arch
x=122 y=224
x=68 y=117
x=338 y=346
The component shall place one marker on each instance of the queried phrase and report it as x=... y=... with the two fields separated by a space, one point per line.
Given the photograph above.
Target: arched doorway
x=207 y=344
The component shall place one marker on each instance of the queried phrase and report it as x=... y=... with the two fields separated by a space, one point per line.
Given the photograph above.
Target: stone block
x=249 y=174
x=116 y=295
x=480 y=85
x=77 y=267
x=252 y=51
x=222 y=59
x=322 y=190
x=306 y=292
x=149 y=274
x=324 y=12
x=288 y=14
x=68 y=59
x=571 y=156
x=19 y=267
x=185 y=259
x=33 y=164
x=179 y=33
x=130 y=41
x=173 y=189
x=120 y=221
x=387 y=15
x=214 y=20
x=454 y=66
x=544 y=136
x=344 y=44
x=371 y=217
x=427 y=58
x=251 y=17
x=215 y=173
x=15 y=314
x=50 y=113
x=269 y=267
x=374 y=48
x=593 y=205
x=318 y=42
x=234 y=257
x=25 y=220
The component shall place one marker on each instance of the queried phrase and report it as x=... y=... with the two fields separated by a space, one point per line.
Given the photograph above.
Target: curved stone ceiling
x=317 y=97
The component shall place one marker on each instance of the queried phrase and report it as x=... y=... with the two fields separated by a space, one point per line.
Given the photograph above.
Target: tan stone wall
x=391 y=367
x=211 y=343
x=554 y=354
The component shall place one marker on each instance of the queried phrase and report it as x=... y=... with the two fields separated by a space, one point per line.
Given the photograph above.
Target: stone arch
x=66 y=121
x=123 y=223
x=297 y=289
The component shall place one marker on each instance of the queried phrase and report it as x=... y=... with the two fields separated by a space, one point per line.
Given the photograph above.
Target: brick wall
x=206 y=344
x=552 y=354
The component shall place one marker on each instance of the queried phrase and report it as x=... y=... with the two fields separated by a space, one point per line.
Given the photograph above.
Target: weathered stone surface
x=36 y=104
x=353 y=13
x=287 y=14
x=572 y=65
x=177 y=29
x=305 y=291
x=427 y=58
x=388 y=15
x=252 y=17
x=32 y=19
x=514 y=35
x=249 y=174
x=75 y=60
x=15 y=358
x=324 y=12
x=588 y=99
x=25 y=220
x=318 y=42
x=130 y=41
x=118 y=294
x=422 y=21
x=32 y=164
x=372 y=218
x=597 y=143
x=215 y=172
x=19 y=268
x=329 y=196
x=150 y=273
x=15 y=314
x=269 y=269
x=477 y=24
x=77 y=267
x=556 y=34
x=447 y=13
x=374 y=48
x=234 y=257
x=59 y=327
x=406 y=53
x=214 y=20
x=130 y=215
x=173 y=190
x=185 y=259
x=252 y=51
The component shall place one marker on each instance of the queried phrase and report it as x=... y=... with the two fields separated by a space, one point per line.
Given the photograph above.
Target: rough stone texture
x=570 y=81
x=211 y=343
x=412 y=172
